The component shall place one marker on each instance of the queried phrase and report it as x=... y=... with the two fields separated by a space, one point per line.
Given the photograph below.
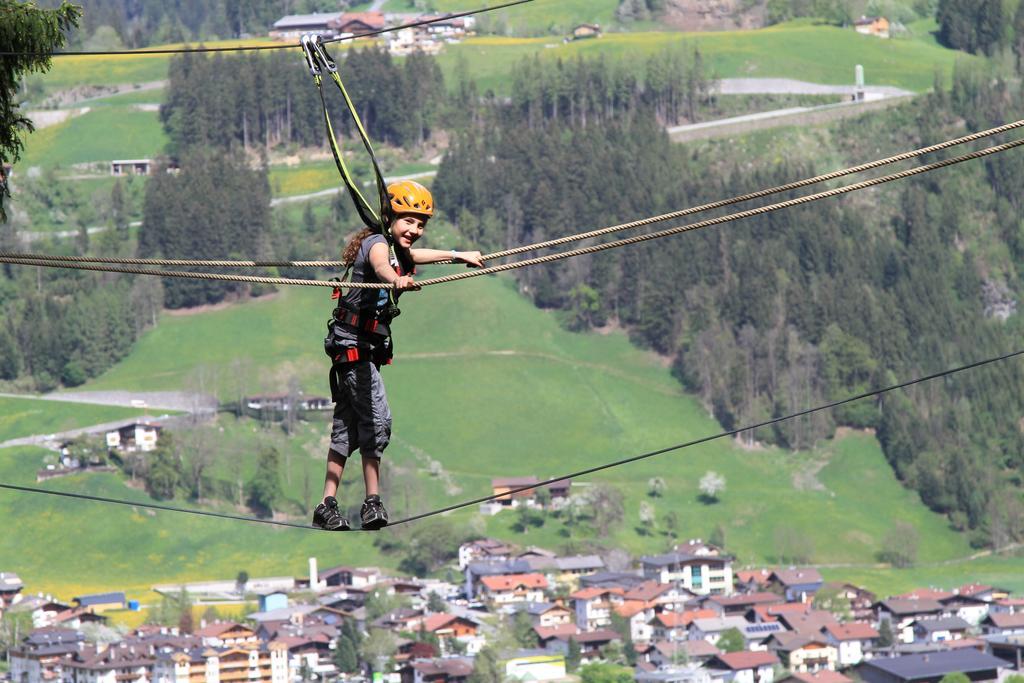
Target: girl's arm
x=382 y=267
x=424 y=256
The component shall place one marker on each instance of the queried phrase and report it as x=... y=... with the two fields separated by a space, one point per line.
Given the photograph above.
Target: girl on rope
x=359 y=343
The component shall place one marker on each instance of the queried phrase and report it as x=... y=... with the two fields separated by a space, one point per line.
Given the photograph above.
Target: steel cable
x=550 y=258
x=878 y=163
x=546 y=482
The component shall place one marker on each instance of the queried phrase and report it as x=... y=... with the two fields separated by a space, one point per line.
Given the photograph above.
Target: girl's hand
x=405 y=283
x=473 y=259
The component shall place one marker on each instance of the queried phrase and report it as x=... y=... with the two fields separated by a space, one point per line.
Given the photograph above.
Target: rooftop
x=914 y=667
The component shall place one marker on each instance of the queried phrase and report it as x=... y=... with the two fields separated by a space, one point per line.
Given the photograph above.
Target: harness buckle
x=306 y=41
x=321 y=53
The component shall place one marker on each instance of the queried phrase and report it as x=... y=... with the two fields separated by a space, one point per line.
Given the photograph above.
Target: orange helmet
x=408 y=196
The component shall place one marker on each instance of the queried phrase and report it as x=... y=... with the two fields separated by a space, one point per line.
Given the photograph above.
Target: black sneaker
x=373 y=515
x=327 y=516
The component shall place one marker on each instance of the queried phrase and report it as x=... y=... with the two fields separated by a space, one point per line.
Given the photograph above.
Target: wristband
x=454 y=255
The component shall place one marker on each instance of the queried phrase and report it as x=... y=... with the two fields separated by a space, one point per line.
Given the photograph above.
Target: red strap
x=336 y=294
x=352 y=355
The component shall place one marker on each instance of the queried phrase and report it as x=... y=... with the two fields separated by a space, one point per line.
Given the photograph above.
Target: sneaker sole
x=376 y=524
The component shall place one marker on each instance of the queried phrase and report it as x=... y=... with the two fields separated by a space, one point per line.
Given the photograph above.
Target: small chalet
x=123 y=167
x=101 y=602
x=548 y=614
x=798 y=585
x=939 y=630
x=752 y=580
x=736 y=605
x=852 y=640
x=593 y=642
x=228 y=634
x=901 y=612
x=446 y=670
x=509 y=589
x=357 y=23
x=743 y=667
x=585 y=31
x=502 y=486
x=675 y=625
x=556 y=638
x=803 y=653
x=10 y=589
x=295 y=25
x=449 y=627
x=133 y=437
x=483 y=549
x=872 y=26
x=593 y=606
x=1003 y=624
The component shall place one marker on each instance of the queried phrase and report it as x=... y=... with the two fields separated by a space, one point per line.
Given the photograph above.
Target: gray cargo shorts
x=362 y=418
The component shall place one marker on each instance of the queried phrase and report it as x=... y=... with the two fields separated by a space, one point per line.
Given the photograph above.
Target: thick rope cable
x=550 y=258
x=258 y=48
x=878 y=163
x=546 y=482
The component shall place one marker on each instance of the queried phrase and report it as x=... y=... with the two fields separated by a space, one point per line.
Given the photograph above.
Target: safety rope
x=258 y=48
x=907 y=173
x=546 y=482
x=878 y=163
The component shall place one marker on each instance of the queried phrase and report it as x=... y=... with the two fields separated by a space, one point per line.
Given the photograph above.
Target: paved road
x=791 y=116
x=789 y=86
x=158 y=400
x=53 y=440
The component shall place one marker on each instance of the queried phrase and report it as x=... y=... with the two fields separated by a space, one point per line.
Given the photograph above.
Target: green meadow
x=21 y=417
x=791 y=50
x=487 y=386
x=98 y=135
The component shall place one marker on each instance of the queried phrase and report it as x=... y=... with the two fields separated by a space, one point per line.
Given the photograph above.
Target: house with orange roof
x=670 y=625
x=228 y=634
x=763 y=614
x=449 y=627
x=853 y=640
x=872 y=26
x=638 y=615
x=735 y=605
x=664 y=596
x=593 y=606
x=508 y=589
x=743 y=667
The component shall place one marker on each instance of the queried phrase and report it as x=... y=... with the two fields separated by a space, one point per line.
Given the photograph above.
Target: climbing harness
x=375 y=323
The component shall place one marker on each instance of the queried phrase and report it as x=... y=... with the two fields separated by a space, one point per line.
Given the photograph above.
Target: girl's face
x=407 y=228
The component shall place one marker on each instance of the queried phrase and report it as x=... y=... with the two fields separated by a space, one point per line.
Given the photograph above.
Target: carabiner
x=321 y=53
x=307 y=50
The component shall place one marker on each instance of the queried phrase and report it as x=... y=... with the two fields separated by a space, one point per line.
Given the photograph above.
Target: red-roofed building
x=853 y=640
x=357 y=23
x=735 y=605
x=675 y=625
x=743 y=667
x=449 y=627
x=638 y=615
x=804 y=653
x=752 y=580
x=512 y=588
x=228 y=634
x=594 y=606
x=763 y=614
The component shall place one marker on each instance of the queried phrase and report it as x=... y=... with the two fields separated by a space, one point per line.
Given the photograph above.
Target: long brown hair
x=348 y=256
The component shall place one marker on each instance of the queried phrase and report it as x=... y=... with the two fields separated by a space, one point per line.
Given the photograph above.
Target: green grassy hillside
x=791 y=50
x=101 y=134
x=21 y=417
x=487 y=386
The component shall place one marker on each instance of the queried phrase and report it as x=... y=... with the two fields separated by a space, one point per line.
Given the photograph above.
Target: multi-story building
x=703 y=573
x=266 y=664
